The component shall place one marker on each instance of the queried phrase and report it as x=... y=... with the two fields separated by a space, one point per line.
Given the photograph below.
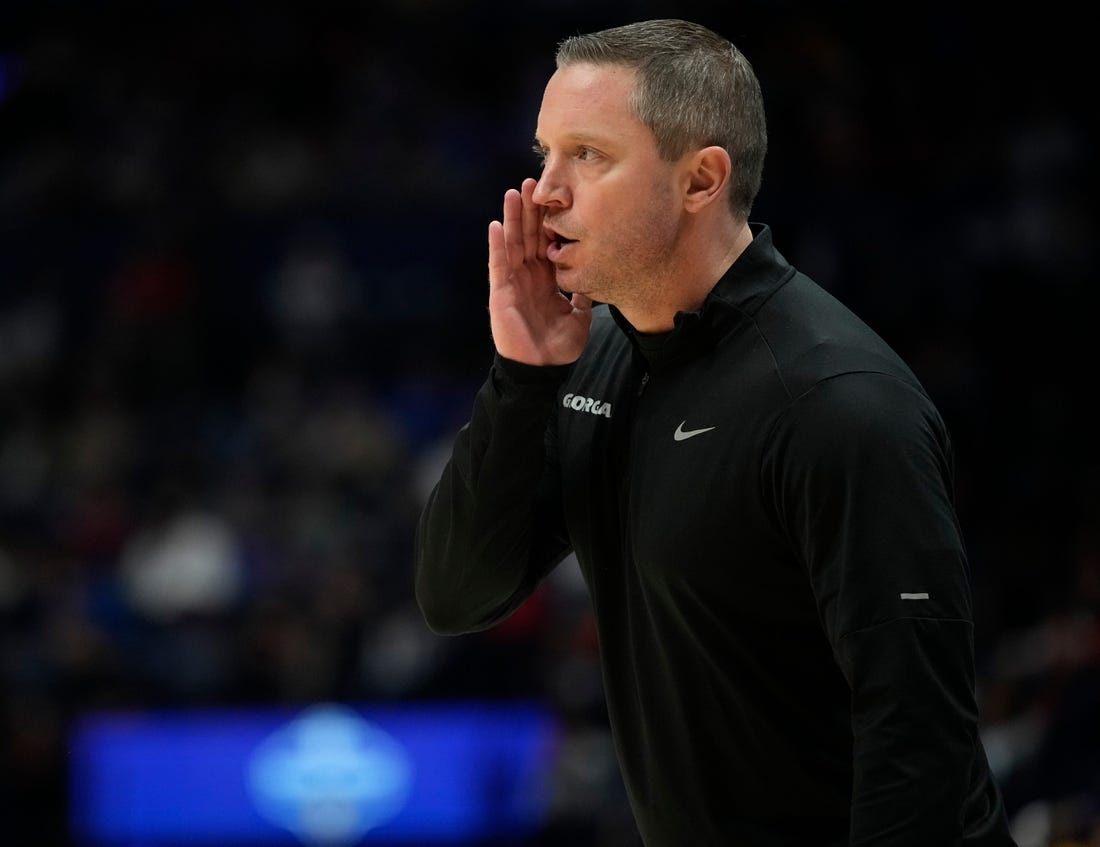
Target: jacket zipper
x=628 y=473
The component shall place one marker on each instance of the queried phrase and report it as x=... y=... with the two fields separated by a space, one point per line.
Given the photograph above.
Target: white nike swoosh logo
x=682 y=434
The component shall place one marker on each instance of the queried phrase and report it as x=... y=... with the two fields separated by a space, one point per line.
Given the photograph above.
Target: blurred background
x=242 y=315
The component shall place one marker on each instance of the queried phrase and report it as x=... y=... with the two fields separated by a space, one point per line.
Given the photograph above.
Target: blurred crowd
x=242 y=253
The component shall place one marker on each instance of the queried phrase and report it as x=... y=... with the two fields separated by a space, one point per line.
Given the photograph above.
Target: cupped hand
x=532 y=321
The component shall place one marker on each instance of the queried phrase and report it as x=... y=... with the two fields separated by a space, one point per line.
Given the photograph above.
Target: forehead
x=590 y=101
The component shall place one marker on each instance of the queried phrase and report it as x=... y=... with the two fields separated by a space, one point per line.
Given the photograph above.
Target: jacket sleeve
x=860 y=472
x=493 y=525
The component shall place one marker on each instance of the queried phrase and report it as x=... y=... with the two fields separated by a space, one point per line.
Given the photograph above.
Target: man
x=757 y=488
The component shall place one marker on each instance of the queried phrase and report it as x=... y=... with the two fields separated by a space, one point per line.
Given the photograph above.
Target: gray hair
x=694 y=89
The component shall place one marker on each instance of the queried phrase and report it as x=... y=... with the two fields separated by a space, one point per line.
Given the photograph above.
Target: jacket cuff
x=510 y=375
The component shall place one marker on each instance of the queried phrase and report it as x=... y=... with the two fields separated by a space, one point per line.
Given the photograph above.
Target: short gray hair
x=694 y=89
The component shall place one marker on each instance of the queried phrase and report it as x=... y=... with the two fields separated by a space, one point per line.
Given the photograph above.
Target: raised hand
x=531 y=320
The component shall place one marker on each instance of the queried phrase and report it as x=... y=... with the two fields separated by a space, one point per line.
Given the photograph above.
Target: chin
x=566 y=278
x=578 y=281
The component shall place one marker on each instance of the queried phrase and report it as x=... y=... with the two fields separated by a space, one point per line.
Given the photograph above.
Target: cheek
x=631 y=216
x=653 y=222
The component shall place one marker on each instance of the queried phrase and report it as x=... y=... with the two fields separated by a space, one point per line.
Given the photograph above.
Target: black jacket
x=761 y=504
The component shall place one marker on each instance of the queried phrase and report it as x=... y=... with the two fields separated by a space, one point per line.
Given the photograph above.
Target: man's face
x=611 y=206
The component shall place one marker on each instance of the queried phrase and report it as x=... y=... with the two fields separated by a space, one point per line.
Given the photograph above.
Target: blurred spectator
x=189 y=565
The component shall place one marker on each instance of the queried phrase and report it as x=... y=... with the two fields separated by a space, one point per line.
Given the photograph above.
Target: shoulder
x=862 y=401
x=815 y=337
x=860 y=418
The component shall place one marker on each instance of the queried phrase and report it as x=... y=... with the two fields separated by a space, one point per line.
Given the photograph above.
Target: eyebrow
x=579 y=139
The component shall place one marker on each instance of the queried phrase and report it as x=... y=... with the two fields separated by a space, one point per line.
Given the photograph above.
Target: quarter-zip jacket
x=761 y=505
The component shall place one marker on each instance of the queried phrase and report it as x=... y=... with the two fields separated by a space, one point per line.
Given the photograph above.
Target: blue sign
x=326 y=776
x=330 y=777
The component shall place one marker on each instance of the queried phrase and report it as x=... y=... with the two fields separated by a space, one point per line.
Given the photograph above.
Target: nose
x=551 y=188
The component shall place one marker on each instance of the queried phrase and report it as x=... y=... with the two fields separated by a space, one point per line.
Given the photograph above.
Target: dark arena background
x=242 y=314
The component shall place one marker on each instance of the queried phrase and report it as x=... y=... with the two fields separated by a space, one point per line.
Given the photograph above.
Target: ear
x=707 y=174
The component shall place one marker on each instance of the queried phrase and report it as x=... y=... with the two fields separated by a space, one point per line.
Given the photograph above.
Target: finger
x=498 y=255
x=532 y=220
x=513 y=227
x=543 y=242
x=580 y=302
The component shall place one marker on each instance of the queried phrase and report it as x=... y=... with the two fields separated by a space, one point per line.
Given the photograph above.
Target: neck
x=691 y=273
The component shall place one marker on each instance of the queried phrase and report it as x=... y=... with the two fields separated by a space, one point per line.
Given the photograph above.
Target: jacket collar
x=755 y=275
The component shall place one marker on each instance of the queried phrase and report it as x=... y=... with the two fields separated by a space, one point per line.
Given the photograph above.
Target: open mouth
x=558 y=247
x=558 y=244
